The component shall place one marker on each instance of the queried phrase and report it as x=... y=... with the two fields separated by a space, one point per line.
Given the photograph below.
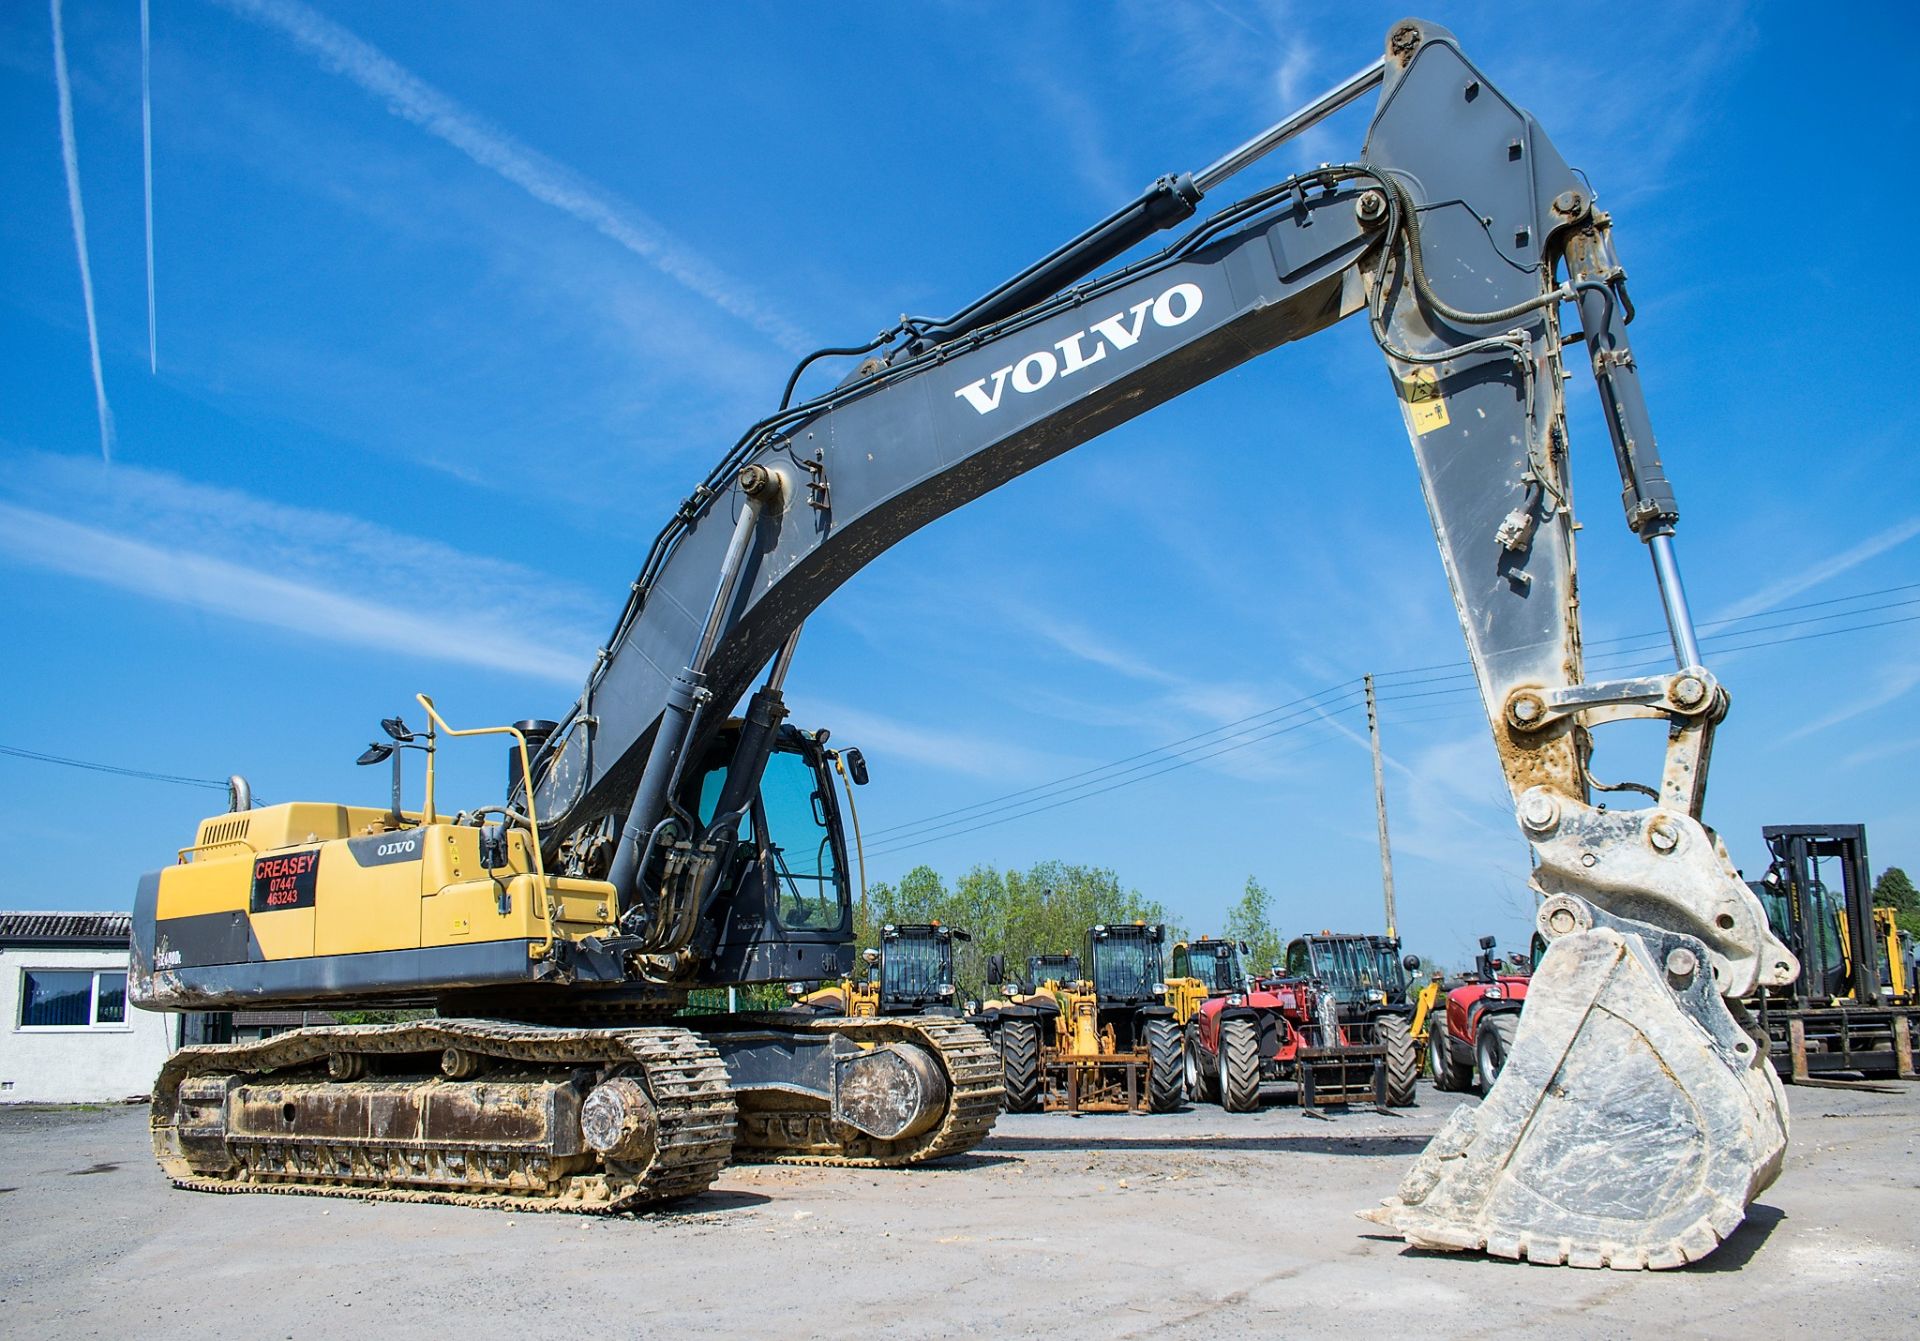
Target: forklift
x=1853 y=1010
x=1103 y=1043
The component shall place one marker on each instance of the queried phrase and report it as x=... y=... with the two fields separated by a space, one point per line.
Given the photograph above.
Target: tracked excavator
x=650 y=844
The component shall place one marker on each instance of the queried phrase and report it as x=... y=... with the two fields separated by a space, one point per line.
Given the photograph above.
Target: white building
x=67 y=1032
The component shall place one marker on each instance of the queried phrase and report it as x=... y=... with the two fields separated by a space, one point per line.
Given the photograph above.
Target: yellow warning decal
x=1426 y=408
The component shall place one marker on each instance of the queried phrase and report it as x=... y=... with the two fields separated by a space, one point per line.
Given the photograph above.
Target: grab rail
x=544 y=949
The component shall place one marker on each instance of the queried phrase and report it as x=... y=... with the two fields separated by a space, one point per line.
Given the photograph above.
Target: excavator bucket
x=1630 y=1127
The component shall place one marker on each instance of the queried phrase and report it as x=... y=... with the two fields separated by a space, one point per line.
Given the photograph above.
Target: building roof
x=113 y=930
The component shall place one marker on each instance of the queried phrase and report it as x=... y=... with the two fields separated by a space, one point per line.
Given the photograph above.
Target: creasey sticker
x=285 y=880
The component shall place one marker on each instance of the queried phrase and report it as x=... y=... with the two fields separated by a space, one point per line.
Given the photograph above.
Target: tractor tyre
x=1202 y=1070
x=1448 y=1075
x=1166 y=1067
x=1494 y=1045
x=1403 y=1060
x=1020 y=1064
x=1239 y=1075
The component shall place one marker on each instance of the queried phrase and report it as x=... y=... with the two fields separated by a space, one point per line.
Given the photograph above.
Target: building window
x=73 y=999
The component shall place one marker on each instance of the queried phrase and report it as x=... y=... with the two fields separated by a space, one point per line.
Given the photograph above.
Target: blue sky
x=455 y=303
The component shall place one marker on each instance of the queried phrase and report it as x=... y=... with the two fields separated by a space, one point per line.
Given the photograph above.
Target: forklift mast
x=1831 y=931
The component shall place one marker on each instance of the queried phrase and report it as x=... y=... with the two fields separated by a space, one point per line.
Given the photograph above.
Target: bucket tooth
x=1630 y=1128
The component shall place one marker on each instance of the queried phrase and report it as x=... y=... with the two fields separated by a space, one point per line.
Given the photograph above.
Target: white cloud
x=964 y=752
x=1448 y=811
x=324 y=575
x=1234 y=746
x=411 y=98
x=1812 y=575
x=1884 y=750
x=1079 y=641
x=1895 y=683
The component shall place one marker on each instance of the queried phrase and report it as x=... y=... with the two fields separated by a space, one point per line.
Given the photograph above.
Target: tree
x=1894 y=890
x=1044 y=910
x=1251 y=920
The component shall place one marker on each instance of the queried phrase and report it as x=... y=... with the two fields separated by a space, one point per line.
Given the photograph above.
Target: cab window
x=796 y=809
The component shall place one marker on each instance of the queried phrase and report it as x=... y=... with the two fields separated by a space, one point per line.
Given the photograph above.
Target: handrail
x=544 y=949
x=180 y=857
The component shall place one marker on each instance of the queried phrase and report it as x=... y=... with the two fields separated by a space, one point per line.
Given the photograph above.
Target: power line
x=1350 y=686
x=1465 y=667
x=1316 y=711
x=141 y=773
x=1824 y=633
x=1083 y=796
x=894 y=833
x=929 y=831
x=1320 y=706
x=1714 y=643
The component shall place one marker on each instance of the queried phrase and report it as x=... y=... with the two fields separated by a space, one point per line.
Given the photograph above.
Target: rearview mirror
x=1411 y=963
x=374 y=753
x=856 y=765
x=996 y=968
x=396 y=729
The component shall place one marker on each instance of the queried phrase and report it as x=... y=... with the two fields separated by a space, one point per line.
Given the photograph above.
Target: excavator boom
x=1635 y=1118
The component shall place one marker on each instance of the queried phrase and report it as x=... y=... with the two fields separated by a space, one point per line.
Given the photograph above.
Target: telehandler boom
x=650 y=844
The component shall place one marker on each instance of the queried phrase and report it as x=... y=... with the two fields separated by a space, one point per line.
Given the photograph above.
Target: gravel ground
x=1097 y=1226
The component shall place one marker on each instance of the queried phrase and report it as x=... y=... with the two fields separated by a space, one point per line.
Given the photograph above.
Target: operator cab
x=791 y=916
x=1219 y=966
x=1358 y=970
x=916 y=968
x=1125 y=964
x=1043 y=969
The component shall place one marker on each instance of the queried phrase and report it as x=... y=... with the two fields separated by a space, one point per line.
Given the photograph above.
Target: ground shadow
x=713 y=1202
x=1303 y=1144
x=1732 y=1255
x=1745 y=1241
x=98 y=1168
x=972 y=1160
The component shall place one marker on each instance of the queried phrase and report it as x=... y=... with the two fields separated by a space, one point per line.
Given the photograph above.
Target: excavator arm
x=1636 y=1118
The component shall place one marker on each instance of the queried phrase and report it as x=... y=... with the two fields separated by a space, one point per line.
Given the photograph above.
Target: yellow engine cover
x=304 y=901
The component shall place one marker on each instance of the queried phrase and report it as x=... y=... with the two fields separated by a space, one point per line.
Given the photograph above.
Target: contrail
x=412 y=98
x=1814 y=574
x=71 y=157
x=146 y=147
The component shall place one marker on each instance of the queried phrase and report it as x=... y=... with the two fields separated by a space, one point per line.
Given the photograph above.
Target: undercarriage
x=502 y=1114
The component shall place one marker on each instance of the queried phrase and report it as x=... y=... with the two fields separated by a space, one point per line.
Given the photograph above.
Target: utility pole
x=1380 y=806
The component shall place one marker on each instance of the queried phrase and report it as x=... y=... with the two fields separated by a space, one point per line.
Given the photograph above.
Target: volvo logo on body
x=387 y=849
x=1175 y=307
